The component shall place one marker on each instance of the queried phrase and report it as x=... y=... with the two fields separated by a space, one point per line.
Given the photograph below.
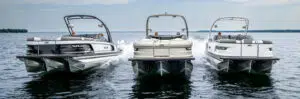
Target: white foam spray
x=127 y=52
x=198 y=50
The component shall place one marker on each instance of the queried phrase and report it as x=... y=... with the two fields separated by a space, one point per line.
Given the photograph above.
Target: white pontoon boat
x=234 y=52
x=71 y=53
x=163 y=54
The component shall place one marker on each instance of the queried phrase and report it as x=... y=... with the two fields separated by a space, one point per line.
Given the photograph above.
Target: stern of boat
x=162 y=57
x=162 y=67
x=252 y=56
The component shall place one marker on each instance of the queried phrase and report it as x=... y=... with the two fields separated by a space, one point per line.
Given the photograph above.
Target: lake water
x=118 y=80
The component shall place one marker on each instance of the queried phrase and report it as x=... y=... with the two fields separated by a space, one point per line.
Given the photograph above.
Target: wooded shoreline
x=13 y=30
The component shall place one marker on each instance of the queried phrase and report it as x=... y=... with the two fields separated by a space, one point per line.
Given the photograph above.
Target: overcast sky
x=128 y=15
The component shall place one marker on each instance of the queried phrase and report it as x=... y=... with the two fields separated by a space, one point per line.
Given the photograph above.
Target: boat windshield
x=230 y=28
x=166 y=26
x=87 y=26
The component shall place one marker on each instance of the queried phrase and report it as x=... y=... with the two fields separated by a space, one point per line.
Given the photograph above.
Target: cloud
x=264 y=2
x=70 y=2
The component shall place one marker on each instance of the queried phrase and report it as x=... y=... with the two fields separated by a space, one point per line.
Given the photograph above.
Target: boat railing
x=233 y=37
x=167 y=37
x=63 y=39
x=244 y=41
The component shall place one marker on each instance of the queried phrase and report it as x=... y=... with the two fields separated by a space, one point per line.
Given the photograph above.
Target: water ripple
x=118 y=80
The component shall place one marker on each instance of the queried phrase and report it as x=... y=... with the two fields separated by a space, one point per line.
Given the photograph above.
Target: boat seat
x=84 y=35
x=34 y=39
x=37 y=39
x=226 y=41
x=75 y=38
x=234 y=37
x=247 y=41
x=267 y=42
x=243 y=37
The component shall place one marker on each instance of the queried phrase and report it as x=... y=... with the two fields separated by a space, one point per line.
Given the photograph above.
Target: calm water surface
x=117 y=80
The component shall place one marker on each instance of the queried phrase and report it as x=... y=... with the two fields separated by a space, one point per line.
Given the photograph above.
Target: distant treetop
x=13 y=30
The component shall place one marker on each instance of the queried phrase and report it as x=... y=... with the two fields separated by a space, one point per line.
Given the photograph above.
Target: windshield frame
x=229 y=19
x=166 y=15
x=68 y=18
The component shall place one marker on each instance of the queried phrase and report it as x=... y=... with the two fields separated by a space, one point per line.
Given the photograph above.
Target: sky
x=130 y=15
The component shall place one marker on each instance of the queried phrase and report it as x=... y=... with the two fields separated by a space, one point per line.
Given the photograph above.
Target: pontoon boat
x=163 y=54
x=71 y=53
x=235 y=51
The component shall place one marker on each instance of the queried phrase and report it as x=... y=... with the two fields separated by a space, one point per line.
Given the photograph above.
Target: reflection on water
x=119 y=83
x=237 y=85
x=64 y=84
x=245 y=80
x=57 y=85
x=157 y=87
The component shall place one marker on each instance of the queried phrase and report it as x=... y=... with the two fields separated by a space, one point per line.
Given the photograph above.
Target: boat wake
x=127 y=49
x=199 y=50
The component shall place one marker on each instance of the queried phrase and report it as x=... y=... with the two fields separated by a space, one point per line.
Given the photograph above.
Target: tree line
x=13 y=30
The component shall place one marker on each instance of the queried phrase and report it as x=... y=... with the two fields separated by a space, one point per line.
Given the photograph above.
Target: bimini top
x=166 y=15
x=68 y=18
x=245 y=27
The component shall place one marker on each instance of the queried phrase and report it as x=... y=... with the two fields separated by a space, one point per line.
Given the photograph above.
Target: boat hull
x=253 y=65
x=162 y=67
x=47 y=63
